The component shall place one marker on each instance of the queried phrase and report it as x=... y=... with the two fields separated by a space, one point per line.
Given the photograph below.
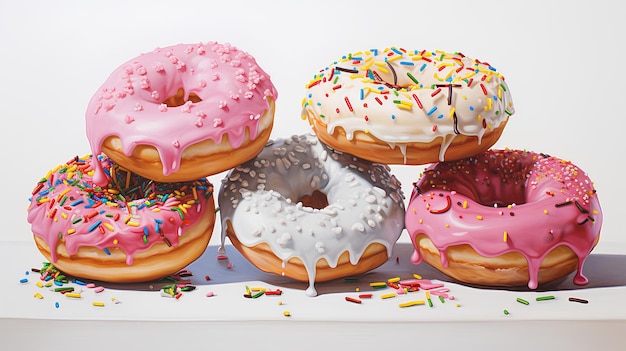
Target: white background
x=563 y=61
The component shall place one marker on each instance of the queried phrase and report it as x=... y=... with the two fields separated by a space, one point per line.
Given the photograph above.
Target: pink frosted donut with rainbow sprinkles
x=132 y=229
x=505 y=218
x=182 y=112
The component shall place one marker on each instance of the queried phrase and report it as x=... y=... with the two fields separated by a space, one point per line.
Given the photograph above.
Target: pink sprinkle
x=128 y=119
x=230 y=265
x=218 y=123
x=138 y=107
x=202 y=83
x=159 y=67
x=222 y=257
x=98 y=289
x=210 y=294
x=176 y=144
x=163 y=108
x=155 y=95
x=90 y=285
x=187 y=107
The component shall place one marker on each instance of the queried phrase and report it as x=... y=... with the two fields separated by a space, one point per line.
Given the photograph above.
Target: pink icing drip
x=214 y=72
x=52 y=217
x=554 y=204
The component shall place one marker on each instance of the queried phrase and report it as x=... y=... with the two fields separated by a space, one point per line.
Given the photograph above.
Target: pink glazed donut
x=504 y=218
x=182 y=112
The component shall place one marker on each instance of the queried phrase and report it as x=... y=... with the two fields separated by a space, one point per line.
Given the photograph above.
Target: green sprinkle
x=64 y=289
x=544 y=298
x=506 y=312
x=412 y=77
x=258 y=294
x=145 y=239
x=520 y=300
x=77 y=220
x=442 y=299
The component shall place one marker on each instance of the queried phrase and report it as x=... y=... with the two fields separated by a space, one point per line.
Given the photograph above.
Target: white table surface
x=139 y=315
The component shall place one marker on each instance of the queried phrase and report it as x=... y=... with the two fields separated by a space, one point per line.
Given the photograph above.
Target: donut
x=305 y=211
x=505 y=218
x=399 y=106
x=182 y=112
x=131 y=230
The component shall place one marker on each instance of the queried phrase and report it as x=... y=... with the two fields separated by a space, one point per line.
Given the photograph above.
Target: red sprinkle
x=419 y=103
x=435 y=92
x=483 y=88
x=348 y=103
x=366 y=296
x=352 y=299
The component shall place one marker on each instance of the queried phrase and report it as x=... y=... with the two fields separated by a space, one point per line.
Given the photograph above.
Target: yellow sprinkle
x=412 y=303
x=280 y=303
x=545 y=211
x=447 y=225
x=465 y=204
x=286 y=313
x=156 y=209
x=98 y=304
x=421 y=221
x=71 y=231
x=427 y=295
x=417 y=276
x=133 y=224
x=458 y=305
x=505 y=236
x=74 y=295
x=115 y=241
x=39 y=284
x=258 y=289
x=479 y=217
x=43 y=200
x=378 y=284
x=48 y=284
x=404 y=106
x=63 y=215
x=393 y=280
x=452 y=110
x=388 y=296
x=357 y=289
x=38 y=295
x=108 y=226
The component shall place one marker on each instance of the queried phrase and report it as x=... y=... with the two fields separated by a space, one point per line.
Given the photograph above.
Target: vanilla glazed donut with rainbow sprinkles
x=131 y=230
x=182 y=112
x=399 y=106
x=505 y=218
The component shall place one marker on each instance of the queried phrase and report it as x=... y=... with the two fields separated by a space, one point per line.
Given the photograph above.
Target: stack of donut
x=141 y=207
x=312 y=207
x=482 y=216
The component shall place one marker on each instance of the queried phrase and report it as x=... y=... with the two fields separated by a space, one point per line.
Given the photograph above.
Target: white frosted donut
x=303 y=210
x=399 y=106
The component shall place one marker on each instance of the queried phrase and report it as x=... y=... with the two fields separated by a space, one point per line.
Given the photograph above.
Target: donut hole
x=178 y=99
x=316 y=199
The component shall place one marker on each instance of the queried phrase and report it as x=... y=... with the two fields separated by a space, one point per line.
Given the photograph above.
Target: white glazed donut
x=303 y=210
x=399 y=106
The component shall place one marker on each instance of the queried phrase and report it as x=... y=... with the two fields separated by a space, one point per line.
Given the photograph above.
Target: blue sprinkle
x=440 y=116
x=407 y=63
x=57 y=283
x=471 y=108
x=145 y=231
x=423 y=67
x=77 y=202
x=106 y=251
x=79 y=282
x=24 y=280
x=492 y=68
x=393 y=116
x=158 y=221
x=362 y=94
x=94 y=226
x=396 y=51
x=432 y=110
x=56 y=304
